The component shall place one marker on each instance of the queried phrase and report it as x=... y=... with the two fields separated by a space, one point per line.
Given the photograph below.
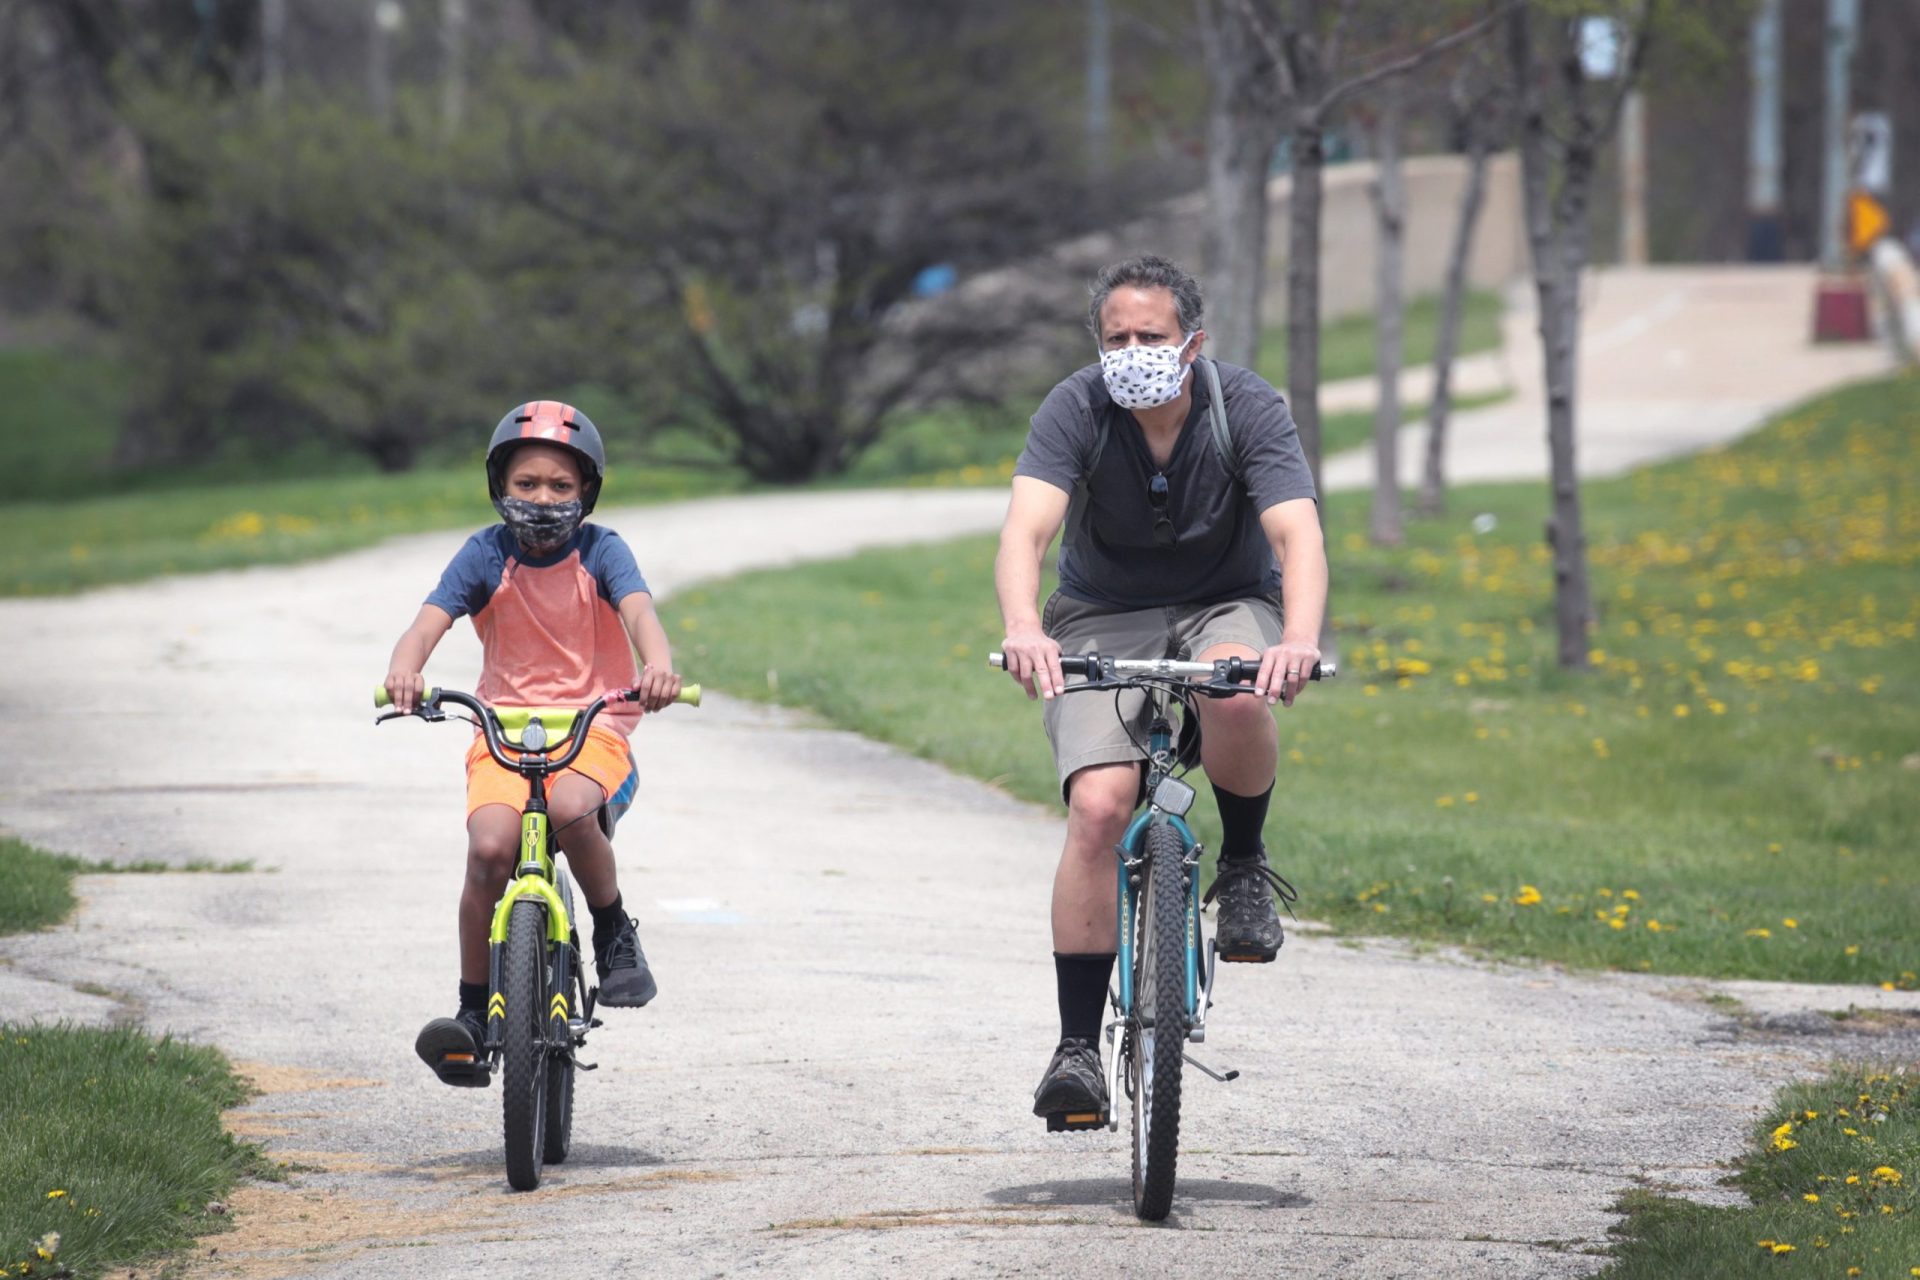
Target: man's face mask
x=1141 y=377
x=540 y=526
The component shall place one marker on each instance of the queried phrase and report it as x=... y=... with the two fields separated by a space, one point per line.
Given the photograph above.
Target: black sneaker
x=1073 y=1093
x=1249 y=928
x=625 y=980
x=454 y=1048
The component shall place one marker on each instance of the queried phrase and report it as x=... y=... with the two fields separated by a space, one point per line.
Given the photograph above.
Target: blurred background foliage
x=355 y=231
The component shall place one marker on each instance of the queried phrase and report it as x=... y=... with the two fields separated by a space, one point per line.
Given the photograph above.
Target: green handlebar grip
x=381 y=698
x=689 y=694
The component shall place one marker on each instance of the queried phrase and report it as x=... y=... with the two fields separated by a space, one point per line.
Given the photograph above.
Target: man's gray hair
x=1147 y=272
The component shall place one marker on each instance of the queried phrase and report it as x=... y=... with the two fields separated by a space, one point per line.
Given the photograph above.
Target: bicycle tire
x=1158 y=1027
x=558 y=1140
x=523 y=1049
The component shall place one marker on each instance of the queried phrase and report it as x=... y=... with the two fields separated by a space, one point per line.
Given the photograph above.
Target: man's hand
x=1285 y=670
x=657 y=688
x=1033 y=659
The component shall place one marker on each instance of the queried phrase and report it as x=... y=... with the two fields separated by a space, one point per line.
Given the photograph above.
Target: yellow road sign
x=1868 y=221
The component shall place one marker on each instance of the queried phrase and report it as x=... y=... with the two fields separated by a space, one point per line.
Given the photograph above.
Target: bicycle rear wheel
x=523 y=1050
x=1158 y=1026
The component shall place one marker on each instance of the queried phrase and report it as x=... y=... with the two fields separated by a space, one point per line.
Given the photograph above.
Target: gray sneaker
x=1073 y=1092
x=625 y=980
x=1248 y=930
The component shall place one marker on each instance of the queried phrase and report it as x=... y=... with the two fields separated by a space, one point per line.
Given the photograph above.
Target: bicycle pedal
x=1248 y=957
x=1074 y=1121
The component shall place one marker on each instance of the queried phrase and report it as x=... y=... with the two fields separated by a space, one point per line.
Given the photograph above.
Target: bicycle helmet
x=548 y=422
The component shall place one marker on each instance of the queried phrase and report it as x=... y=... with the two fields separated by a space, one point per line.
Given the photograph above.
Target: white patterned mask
x=1143 y=377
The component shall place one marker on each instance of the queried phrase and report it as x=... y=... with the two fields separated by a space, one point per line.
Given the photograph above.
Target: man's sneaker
x=1073 y=1093
x=625 y=980
x=1248 y=931
x=453 y=1047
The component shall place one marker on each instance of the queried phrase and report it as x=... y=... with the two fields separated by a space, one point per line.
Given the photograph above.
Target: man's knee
x=1244 y=719
x=1101 y=799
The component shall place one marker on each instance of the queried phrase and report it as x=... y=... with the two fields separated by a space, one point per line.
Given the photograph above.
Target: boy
x=560 y=607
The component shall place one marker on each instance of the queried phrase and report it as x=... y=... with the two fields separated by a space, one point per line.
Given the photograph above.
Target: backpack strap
x=1217 y=413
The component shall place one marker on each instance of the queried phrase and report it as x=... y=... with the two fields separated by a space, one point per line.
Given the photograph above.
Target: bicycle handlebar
x=532 y=759
x=1227 y=671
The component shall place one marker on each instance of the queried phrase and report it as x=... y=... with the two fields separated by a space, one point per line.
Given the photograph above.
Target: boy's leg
x=625 y=979
x=453 y=1046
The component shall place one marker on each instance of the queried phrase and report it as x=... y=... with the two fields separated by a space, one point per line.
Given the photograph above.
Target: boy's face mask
x=540 y=526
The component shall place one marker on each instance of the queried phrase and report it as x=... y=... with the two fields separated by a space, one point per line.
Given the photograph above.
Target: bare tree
x=1477 y=97
x=1308 y=43
x=1565 y=117
x=1244 y=125
x=1389 y=317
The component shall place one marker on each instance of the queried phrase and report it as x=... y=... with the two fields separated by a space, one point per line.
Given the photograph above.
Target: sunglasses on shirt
x=1157 y=495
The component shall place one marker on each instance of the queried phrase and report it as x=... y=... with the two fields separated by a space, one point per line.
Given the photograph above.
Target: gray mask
x=540 y=526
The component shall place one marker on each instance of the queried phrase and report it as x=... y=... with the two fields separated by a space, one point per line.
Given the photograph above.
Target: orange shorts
x=606 y=759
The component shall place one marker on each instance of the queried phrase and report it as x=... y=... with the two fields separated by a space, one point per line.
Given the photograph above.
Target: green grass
x=1724 y=795
x=39 y=885
x=39 y=889
x=1832 y=1177
x=113 y=1141
x=1346 y=344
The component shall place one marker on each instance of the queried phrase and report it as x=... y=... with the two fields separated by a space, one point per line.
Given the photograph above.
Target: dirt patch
x=282 y=1230
x=269 y=1077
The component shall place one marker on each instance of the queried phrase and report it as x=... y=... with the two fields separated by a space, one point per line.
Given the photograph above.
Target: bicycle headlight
x=534 y=736
x=1173 y=796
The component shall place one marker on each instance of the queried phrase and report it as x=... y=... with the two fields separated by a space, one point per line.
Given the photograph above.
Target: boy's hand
x=406 y=689
x=657 y=688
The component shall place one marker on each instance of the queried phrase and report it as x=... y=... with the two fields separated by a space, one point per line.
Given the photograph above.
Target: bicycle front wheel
x=1158 y=1027
x=558 y=1141
x=523 y=1050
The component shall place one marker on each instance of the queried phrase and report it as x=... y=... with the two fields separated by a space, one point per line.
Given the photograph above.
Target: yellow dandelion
x=1631 y=895
x=56 y=1194
x=1811 y=1198
x=1654 y=925
x=1472 y=797
x=1759 y=933
x=1616 y=923
x=1444 y=802
x=1527 y=897
x=1682 y=711
x=1887 y=1174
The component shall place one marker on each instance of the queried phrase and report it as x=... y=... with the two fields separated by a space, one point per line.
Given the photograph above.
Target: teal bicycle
x=539 y=1007
x=1166 y=964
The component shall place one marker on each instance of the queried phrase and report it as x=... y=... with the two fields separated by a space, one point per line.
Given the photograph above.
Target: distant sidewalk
x=1672 y=360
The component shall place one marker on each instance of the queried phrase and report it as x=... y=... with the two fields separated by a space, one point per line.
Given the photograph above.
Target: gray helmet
x=548 y=422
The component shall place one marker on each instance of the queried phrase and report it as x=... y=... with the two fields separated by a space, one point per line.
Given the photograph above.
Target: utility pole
x=1633 y=179
x=1843 y=25
x=273 y=50
x=1099 y=88
x=1764 y=239
x=387 y=16
x=453 y=71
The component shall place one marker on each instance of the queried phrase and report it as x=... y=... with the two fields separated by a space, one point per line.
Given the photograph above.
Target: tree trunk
x=1242 y=131
x=1556 y=232
x=1303 y=287
x=273 y=50
x=1390 y=214
x=1433 y=485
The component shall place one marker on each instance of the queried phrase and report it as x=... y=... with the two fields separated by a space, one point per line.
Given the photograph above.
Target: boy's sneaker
x=625 y=980
x=1073 y=1092
x=1248 y=931
x=454 y=1048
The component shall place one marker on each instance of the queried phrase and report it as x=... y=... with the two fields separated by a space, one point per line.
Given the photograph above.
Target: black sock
x=1241 y=819
x=607 y=921
x=1083 y=993
x=473 y=995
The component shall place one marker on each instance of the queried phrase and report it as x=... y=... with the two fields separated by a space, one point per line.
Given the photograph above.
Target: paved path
x=856 y=995
x=1673 y=359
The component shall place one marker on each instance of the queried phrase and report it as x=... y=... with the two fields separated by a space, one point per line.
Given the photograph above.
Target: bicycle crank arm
x=1223 y=1079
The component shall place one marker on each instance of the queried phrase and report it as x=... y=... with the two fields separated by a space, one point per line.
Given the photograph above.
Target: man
x=1175 y=548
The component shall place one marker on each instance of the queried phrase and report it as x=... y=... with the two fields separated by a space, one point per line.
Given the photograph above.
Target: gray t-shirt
x=1108 y=555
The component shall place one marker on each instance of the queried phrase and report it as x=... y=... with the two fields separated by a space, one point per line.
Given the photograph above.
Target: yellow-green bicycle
x=539 y=1007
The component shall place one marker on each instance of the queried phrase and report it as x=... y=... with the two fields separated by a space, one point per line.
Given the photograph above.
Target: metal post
x=1099 y=87
x=1633 y=179
x=1764 y=240
x=273 y=49
x=1843 y=24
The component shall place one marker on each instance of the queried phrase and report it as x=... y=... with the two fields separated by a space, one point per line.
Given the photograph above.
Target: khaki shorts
x=1086 y=729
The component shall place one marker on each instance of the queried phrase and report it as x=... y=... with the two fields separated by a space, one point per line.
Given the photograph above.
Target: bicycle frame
x=1130 y=851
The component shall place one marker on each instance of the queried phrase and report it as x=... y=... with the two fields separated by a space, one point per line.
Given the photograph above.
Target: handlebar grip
x=1070 y=664
x=381 y=698
x=689 y=694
